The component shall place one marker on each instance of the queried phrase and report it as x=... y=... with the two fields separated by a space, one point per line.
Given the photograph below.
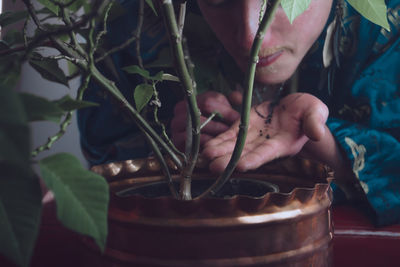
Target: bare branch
x=138 y=32
x=117 y=48
x=182 y=15
x=73 y=60
x=104 y=31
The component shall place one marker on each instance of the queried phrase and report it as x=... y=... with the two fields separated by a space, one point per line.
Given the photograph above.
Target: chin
x=272 y=76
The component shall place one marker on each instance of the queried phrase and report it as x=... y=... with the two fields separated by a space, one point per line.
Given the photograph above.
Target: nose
x=249 y=16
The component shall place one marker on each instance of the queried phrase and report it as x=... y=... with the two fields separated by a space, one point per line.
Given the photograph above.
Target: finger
x=180 y=108
x=212 y=95
x=219 y=163
x=178 y=123
x=229 y=115
x=314 y=122
x=231 y=133
x=225 y=143
x=212 y=101
x=262 y=153
x=235 y=98
x=213 y=128
x=179 y=140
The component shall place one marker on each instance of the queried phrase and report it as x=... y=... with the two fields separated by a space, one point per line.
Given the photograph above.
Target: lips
x=268 y=60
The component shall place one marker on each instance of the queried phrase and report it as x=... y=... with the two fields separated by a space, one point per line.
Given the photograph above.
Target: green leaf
x=294 y=8
x=20 y=210
x=53 y=27
x=49 y=69
x=373 y=10
x=76 y=5
x=158 y=76
x=72 y=68
x=142 y=95
x=170 y=77
x=81 y=195
x=13 y=37
x=50 y=5
x=9 y=17
x=14 y=131
x=41 y=109
x=10 y=70
x=20 y=193
x=66 y=103
x=150 y=3
x=135 y=69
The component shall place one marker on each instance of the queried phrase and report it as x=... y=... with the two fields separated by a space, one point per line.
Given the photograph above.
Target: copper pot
x=289 y=228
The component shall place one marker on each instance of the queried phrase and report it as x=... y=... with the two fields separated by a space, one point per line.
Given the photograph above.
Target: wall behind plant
x=32 y=82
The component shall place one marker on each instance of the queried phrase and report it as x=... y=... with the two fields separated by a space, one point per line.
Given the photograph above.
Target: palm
x=273 y=132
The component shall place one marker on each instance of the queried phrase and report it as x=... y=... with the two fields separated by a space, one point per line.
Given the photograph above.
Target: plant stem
x=246 y=107
x=187 y=83
x=212 y=116
x=164 y=167
x=182 y=15
x=138 y=32
x=74 y=40
x=162 y=126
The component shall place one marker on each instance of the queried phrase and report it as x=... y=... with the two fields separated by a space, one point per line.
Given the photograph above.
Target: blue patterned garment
x=363 y=97
x=364 y=105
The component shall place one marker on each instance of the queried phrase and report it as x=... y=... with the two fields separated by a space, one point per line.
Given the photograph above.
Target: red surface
x=368 y=245
x=57 y=246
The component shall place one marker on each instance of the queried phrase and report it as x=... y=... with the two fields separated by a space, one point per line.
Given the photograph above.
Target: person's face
x=235 y=22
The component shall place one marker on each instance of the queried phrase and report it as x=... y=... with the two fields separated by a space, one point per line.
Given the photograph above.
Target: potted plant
x=70 y=27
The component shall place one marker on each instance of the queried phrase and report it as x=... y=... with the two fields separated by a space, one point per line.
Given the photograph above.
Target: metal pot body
x=290 y=228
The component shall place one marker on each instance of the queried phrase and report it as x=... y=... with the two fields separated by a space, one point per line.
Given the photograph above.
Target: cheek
x=311 y=23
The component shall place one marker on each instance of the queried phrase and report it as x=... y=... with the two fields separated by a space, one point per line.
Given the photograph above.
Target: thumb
x=314 y=122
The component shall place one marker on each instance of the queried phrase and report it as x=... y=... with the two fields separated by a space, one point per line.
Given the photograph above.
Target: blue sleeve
x=364 y=106
x=366 y=122
x=375 y=160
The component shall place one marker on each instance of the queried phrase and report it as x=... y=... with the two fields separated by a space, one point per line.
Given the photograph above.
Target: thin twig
x=75 y=44
x=104 y=31
x=24 y=31
x=212 y=116
x=73 y=60
x=162 y=126
x=182 y=15
x=117 y=48
x=138 y=33
x=64 y=125
x=47 y=33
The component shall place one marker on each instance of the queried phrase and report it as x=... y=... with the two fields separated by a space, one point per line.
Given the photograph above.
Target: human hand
x=296 y=119
x=208 y=103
